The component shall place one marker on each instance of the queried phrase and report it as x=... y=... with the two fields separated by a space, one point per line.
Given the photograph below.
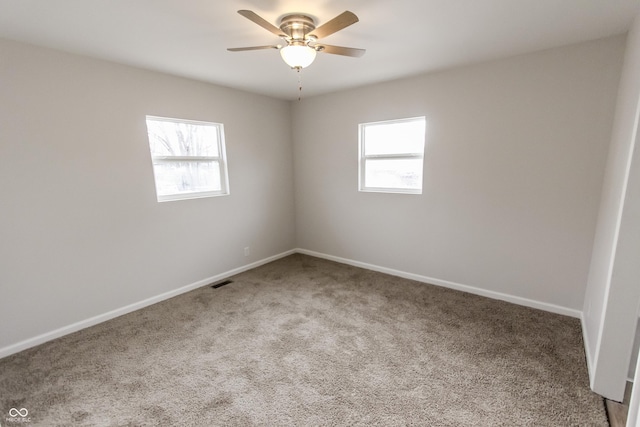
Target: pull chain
x=299 y=84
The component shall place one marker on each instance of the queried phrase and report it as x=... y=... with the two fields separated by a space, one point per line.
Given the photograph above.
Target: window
x=188 y=157
x=391 y=155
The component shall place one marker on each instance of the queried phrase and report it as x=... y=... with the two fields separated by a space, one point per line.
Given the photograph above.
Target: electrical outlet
x=247 y=251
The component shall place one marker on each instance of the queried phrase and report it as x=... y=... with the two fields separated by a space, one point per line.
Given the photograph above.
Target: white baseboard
x=65 y=330
x=451 y=285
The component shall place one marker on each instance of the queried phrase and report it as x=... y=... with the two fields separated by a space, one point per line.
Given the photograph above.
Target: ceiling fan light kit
x=301 y=35
x=298 y=56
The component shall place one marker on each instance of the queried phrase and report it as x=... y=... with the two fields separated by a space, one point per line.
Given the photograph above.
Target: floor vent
x=219 y=285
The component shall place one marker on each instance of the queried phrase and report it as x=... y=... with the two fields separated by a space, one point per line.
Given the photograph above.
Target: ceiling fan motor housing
x=297 y=26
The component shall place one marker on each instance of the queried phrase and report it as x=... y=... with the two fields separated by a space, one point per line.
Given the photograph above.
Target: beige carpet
x=304 y=341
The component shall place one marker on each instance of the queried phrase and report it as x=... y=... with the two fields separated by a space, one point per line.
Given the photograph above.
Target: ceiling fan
x=301 y=35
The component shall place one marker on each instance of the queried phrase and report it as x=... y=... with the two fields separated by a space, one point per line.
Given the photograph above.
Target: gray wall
x=514 y=161
x=81 y=231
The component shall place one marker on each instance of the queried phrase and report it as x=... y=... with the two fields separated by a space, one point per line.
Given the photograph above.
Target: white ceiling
x=402 y=37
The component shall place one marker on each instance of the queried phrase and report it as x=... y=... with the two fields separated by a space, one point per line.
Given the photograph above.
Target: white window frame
x=408 y=156
x=221 y=159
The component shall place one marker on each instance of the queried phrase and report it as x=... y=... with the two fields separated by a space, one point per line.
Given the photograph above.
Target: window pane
x=394 y=137
x=186 y=177
x=393 y=173
x=170 y=138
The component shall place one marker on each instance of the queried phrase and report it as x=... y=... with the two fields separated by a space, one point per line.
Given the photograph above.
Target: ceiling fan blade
x=336 y=24
x=339 y=50
x=241 y=49
x=252 y=16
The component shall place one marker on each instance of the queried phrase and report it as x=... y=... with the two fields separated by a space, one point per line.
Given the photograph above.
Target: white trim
x=392 y=190
x=585 y=339
x=616 y=232
x=176 y=120
x=188 y=195
x=633 y=416
x=553 y=308
x=220 y=159
x=363 y=157
x=74 y=327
